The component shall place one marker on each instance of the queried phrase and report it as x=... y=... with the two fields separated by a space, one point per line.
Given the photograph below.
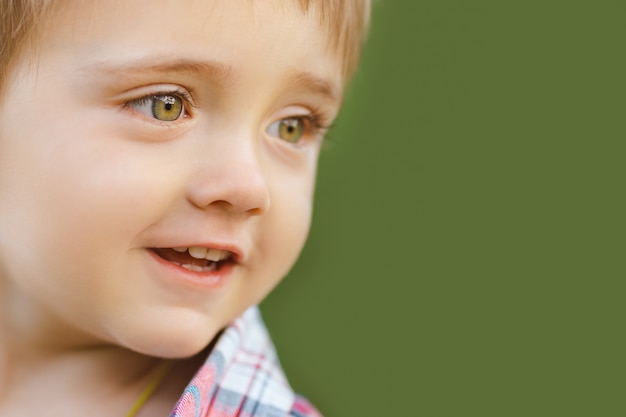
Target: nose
x=232 y=178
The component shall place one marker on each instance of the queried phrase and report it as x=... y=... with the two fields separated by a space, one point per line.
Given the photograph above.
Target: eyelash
x=316 y=122
x=181 y=93
x=298 y=130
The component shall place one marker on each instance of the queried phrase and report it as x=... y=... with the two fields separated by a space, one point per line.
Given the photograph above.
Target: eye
x=164 y=107
x=290 y=129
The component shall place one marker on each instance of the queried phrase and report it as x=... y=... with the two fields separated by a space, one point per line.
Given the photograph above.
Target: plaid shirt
x=242 y=378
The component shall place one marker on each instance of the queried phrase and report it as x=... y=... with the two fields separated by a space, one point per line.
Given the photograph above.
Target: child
x=157 y=165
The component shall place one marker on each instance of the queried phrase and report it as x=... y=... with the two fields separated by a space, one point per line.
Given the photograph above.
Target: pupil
x=168 y=106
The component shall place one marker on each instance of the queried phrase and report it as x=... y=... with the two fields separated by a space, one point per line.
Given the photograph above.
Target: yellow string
x=149 y=389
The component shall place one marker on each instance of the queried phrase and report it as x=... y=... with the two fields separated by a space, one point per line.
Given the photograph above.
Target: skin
x=90 y=181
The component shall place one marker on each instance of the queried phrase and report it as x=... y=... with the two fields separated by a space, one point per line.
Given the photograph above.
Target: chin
x=176 y=342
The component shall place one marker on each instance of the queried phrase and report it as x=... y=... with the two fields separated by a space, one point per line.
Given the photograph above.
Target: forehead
x=237 y=31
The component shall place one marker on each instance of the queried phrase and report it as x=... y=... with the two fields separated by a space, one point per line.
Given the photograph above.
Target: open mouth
x=196 y=258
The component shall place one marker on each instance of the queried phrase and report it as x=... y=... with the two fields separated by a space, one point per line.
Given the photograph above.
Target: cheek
x=290 y=215
x=76 y=209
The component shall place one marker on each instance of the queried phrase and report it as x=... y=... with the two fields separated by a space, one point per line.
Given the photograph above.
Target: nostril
x=263 y=207
x=257 y=211
x=245 y=203
x=253 y=210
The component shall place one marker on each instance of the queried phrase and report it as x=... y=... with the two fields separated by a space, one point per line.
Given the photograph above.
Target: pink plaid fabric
x=242 y=378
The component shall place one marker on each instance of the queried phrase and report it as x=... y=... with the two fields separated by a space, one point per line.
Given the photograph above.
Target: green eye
x=167 y=108
x=290 y=129
x=162 y=107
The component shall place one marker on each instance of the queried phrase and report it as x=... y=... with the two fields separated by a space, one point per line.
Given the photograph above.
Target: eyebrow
x=159 y=66
x=213 y=69
x=313 y=83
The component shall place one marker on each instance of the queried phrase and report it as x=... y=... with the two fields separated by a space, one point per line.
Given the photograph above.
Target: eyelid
x=317 y=121
x=149 y=92
x=313 y=129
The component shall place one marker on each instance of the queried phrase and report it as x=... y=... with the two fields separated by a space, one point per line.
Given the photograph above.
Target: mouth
x=197 y=258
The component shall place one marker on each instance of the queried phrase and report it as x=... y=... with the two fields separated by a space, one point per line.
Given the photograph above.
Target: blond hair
x=345 y=21
x=17 y=24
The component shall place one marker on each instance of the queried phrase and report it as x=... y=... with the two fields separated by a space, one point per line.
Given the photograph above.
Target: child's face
x=145 y=126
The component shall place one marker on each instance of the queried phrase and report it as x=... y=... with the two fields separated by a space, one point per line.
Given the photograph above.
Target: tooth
x=198 y=252
x=197 y=268
x=194 y=268
x=215 y=255
x=181 y=250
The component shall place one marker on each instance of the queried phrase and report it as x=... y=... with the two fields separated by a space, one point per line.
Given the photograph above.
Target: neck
x=71 y=382
x=41 y=358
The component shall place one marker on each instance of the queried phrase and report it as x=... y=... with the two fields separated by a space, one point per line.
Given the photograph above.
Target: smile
x=196 y=258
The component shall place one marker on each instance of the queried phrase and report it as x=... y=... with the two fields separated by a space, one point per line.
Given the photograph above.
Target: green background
x=467 y=250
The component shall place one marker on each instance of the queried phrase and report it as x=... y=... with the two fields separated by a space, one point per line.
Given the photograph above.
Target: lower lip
x=210 y=280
